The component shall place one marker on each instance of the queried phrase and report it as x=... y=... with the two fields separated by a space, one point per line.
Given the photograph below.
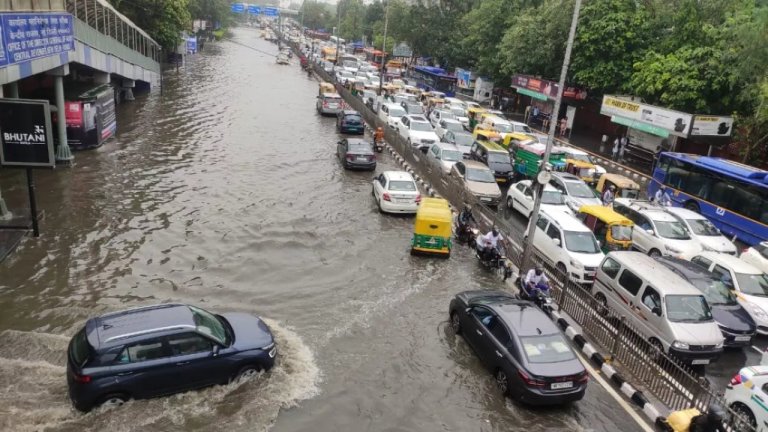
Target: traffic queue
x=683 y=285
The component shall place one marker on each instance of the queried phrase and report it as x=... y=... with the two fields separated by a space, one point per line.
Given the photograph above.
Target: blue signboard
x=238 y=8
x=29 y=36
x=270 y=11
x=254 y=10
x=192 y=45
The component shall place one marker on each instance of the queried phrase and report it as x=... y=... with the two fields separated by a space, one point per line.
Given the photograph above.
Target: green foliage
x=317 y=15
x=164 y=20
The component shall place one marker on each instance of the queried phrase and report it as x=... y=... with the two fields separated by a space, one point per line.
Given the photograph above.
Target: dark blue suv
x=163 y=349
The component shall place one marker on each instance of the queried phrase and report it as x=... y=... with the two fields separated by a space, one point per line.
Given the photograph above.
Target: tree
x=215 y=11
x=352 y=19
x=484 y=28
x=164 y=20
x=317 y=15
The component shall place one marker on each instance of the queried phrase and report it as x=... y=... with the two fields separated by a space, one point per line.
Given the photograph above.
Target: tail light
x=530 y=382
x=82 y=379
x=583 y=377
x=736 y=380
x=350 y=157
x=325 y=104
x=386 y=197
x=418 y=198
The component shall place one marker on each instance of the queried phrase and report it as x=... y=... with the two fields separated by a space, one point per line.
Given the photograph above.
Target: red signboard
x=546 y=87
x=73 y=114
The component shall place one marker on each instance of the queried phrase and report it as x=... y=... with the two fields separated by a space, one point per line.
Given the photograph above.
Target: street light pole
x=384 y=46
x=338 y=30
x=528 y=247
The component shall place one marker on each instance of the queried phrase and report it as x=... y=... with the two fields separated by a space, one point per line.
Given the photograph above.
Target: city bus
x=733 y=196
x=434 y=79
x=374 y=56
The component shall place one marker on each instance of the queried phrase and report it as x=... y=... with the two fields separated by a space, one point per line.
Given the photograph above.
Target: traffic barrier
x=673 y=384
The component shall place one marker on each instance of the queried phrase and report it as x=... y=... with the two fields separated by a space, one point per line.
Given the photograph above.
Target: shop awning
x=644 y=127
x=531 y=93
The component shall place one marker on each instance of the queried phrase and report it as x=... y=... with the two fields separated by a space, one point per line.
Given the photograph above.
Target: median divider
x=671 y=383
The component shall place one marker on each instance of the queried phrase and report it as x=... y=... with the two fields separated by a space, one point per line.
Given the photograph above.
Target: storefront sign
x=464 y=79
x=712 y=126
x=25 y=133
x=29 y=36
x=548 y=89
x=647 y=118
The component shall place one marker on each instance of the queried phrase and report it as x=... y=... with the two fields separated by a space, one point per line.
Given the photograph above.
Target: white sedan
x=757 y=255
x=396 y=192
x=745 y=396
x=446 y=125
x=704 y=231
x=520 y=198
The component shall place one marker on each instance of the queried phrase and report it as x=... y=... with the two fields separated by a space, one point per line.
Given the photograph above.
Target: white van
x=662 y=306
x=567 y=244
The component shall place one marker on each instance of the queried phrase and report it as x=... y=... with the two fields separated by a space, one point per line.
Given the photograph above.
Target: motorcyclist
x=378 y=136
x=489 y=242
x=535 y=280
x=464 y=218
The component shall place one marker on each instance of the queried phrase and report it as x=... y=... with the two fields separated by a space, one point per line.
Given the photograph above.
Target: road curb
x=636 y=396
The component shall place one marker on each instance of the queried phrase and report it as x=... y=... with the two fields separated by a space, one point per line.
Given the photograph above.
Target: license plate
x=501 y=180
x=700 y=361
x=562 y=385
x=742 y=338
x=485 y=199
x=403 y=200
x=362 y=159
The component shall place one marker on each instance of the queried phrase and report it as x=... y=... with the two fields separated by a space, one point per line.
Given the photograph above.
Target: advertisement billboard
x=25 y=133
x=674 y=122
x=704 y=125
x=546 y=88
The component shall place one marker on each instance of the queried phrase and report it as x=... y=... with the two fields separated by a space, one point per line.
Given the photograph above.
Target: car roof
x=446 y=146
x=684 y=213
x=357 y=141
x=450 y=120
x=475 y=165
x=731 y=262
x=111 y=328
x=564 y=220
x=524 y=318
x=349 y=112
x=565 y=176
x=687 y=268
x=332 y=95
x=417 y=117
x=655 y=273
x=393 y=105
x=398 y=175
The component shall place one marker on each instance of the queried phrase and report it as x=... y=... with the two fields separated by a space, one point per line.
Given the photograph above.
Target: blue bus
x=434 y=79
x=732 y=195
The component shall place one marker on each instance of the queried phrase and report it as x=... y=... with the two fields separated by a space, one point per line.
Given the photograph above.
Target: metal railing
x=666 y=378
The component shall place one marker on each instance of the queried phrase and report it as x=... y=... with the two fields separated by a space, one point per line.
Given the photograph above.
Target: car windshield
x=672 y=230
x=402 y=185
x=350 y=64
x=715 y=291
x=352 y=118
x=549 y=348
x=480 y=175
x=581 y=242
x=499 y=158
x=503 y=127
x=463 y=139
x=703 y=227
x=522 y=128
x=621 y=232
x=451 y=155
x=552 y=197
x=421 y=126
x=346 y=74
x=753 y=284
x=763 y=249
x=579 y=190
x=415 y=109
x=580 y=157
x=396 y=112
x=207 y=323
x=458 y=112
x=451 y=126
x=444 y=115
x=359 y=146
x=687 y=308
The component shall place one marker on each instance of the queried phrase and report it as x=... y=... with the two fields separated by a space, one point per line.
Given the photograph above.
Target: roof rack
x=139 y=308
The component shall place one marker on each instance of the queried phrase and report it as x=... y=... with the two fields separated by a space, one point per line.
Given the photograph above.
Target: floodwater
x=224 y=192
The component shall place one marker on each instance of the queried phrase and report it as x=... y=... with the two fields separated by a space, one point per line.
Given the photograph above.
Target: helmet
x=379 y=129
x=539 y=270
x=613 y=187
x=715 y=413
x=494 y=231
x=468 y=208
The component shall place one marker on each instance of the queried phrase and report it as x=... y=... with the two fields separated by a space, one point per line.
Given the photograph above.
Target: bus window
x=677 y=174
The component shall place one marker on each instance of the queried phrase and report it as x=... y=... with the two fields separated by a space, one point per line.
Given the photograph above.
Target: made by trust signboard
x=29 y=36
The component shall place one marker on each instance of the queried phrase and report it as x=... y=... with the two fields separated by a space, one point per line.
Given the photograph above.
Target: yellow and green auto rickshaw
x=432 y=229
x=611 y=229
x=625 y=187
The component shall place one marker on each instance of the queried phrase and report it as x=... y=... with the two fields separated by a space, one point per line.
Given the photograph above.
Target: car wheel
x=510 y=202
x=113 y=400
x=656 y=349
x=502 y=382
x=562 y=272
x=744 y=415
x=692 y=206
x=455 y=323
x=602 y=309
x=247 y=372
x=654 y=253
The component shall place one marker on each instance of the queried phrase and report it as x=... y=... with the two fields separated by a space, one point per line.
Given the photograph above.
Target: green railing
x=91 y=37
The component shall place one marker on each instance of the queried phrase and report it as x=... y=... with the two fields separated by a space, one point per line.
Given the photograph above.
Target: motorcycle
x=494 y=260
x=540 y=296
x=378 y=145
x=464 y=233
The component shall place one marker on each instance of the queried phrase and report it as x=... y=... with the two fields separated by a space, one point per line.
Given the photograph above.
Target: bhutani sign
x=25 y=133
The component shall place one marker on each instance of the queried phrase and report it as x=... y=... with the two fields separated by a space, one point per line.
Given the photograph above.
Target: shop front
x=537 y=98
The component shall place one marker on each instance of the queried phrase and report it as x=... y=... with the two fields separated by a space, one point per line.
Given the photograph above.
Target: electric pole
x=528 y=247
x=384 y=47
x=338 y=30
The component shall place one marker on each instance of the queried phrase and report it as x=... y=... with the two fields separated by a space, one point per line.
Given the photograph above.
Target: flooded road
x=225 y=193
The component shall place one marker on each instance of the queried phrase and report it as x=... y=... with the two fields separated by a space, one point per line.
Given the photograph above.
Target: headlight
x=757 y=311
x=577 y=264
x=680 y=345
x=718 y=346
x=673 y=250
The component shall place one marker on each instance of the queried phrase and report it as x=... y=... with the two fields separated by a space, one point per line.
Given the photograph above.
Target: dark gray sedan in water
x=163 y=349
x=527 y=354
x=355 y=153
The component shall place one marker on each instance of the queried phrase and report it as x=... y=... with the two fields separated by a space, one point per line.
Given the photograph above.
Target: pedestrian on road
x=623 y=147
x=662 y=197
x=608 y=196
x=615 y=151
x=527 y=115
x=563 y=126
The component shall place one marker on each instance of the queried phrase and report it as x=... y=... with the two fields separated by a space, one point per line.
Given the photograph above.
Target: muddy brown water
x=225 y=193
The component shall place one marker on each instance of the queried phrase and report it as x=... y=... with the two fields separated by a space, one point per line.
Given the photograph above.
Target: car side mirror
x=468 y=310
x=650 y=231
x=556 y=241
x=656 y=311
x=215 y=350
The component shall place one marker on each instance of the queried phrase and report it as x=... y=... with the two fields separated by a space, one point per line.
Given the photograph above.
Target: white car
x=703 y=230
x=417 y=131
x=442 y=156
x=440 y=114
x=344 y=76
x=750 y=283
x=757 y=256
x=576 y=191
x=520 y=198
x=569 y=245
x=462 y=140
x=456 y=101
x=657 y=232
x=396 y=192
x=461 y=115
x=447 y=125
x=391 y=113
x=746 y=394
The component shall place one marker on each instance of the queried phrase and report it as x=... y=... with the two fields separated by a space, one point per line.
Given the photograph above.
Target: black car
x=356 y=153
x=163 y=349
x=527 y=354
x=735 y=323
x=350 y=122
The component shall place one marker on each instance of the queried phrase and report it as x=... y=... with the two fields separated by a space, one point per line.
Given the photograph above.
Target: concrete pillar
x=4 y=213
x=101 y=78
x=63 y=153
x=127 y=86
x=13 y=90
